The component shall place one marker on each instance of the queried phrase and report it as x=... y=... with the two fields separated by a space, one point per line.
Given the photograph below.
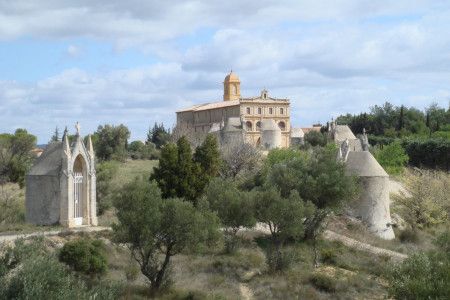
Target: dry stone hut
x=373 y=205
x=61 y=185
x=270 y=135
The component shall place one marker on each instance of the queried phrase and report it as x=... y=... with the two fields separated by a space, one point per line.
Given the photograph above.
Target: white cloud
x=328 y=57
x=73 y=51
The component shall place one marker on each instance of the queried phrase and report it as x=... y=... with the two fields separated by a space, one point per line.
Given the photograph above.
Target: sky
x=137 y=62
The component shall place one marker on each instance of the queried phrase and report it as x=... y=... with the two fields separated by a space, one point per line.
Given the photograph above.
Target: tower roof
x=232 y=77
x=363 y=164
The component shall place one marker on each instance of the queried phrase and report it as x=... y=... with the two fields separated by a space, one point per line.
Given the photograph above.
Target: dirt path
x=349 y=242
x=246 y=292
x=13 y=237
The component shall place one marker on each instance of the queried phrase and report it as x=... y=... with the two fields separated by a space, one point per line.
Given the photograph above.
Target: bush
x=392 y=157
x=328 y=255
x=423 y=275
x=139 y=150
x=425 y=201
x=431 y=153
x=408 y=236
x=323 y=282
x=315 y=138
x=28 y=271
x=84 y=256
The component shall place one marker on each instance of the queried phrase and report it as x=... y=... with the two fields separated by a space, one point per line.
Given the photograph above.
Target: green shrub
x=392 y=157
x=408 y=236
x=429 y=152
x=84 y=256
x=315 y=138
x=425 y=201
x=323 y=282
x=423 y=275
x=328 y=255
x=29 y=271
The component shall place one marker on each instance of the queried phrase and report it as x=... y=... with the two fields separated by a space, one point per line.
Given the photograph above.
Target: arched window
x=248 y=110
x=78 y=190
x=282 y=126
x=235 y=89
x=248 y=126
x=258 y=126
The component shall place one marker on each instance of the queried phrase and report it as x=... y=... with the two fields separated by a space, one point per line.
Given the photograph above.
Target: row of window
x=249 y=126
x=271 y=109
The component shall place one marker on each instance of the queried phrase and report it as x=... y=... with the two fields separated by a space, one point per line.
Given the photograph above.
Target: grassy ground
x=132 y=168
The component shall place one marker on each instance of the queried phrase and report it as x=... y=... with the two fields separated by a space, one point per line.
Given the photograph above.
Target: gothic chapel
x=61 y=185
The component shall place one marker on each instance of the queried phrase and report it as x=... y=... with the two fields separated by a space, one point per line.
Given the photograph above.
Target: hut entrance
x=78 y=191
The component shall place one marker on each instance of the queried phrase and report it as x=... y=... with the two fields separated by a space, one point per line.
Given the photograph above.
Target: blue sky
x=136 y=62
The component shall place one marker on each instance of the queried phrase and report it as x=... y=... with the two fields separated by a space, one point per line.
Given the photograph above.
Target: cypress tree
x=166 y=174
x=185 y=170
x=206 y=162
x=208 y=156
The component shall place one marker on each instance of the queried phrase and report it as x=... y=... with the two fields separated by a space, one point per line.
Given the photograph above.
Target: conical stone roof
x=363 y=164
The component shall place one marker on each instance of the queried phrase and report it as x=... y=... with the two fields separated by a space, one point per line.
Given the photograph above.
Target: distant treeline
x=425 y=135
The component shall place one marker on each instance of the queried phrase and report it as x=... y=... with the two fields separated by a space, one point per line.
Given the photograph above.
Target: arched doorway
x=248 y=126
x=78 y=190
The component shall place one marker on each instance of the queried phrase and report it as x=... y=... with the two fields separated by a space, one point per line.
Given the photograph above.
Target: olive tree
x=155 y=229
x=317 y=177
x=234 y=208
x=285 y=219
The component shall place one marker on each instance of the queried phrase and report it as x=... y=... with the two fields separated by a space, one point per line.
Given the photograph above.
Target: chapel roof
x=50 y=161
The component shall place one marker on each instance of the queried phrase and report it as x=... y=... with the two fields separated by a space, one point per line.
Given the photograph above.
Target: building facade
x=251 y=111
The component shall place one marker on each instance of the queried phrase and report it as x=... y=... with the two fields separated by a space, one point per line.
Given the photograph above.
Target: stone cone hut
x=373 y=205
x=270 y=134
x=61 y=185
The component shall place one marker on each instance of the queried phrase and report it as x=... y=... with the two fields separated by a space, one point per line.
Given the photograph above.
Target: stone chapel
x=61 y=185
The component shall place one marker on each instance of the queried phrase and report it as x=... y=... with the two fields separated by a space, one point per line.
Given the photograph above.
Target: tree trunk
x=156 y=285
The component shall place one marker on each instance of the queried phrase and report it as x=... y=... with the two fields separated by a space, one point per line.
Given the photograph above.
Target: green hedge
x=430 y=153
x=423 y=152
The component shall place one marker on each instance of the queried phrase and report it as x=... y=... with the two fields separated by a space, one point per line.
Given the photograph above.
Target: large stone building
x=255 y=115
x=61 y=185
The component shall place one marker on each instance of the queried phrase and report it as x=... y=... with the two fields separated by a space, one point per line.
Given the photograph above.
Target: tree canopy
x=111 y=142
x=152 y=227
x=16 y=157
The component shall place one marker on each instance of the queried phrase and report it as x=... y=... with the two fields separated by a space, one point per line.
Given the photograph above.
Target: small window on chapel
x=248 y=110
x=281 y=111
x=259 y=110
x=270 y=110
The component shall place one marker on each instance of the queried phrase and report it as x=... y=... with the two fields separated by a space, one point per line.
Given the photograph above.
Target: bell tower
x=231 y=87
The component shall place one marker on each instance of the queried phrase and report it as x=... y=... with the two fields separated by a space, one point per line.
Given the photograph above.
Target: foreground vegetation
x=184 y=226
